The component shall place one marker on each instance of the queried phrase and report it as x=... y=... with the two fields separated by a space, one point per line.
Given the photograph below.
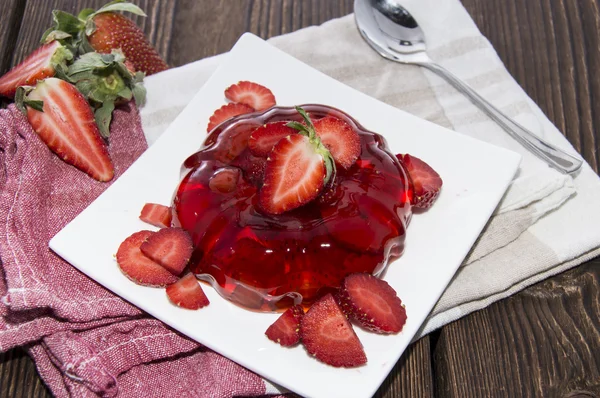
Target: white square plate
x=475 y=177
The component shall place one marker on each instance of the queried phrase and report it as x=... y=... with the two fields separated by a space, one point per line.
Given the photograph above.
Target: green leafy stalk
x=105 y=81
x=21 y=101
x=308 y=129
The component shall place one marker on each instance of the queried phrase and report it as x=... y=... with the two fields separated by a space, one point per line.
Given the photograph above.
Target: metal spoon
x=394 y=34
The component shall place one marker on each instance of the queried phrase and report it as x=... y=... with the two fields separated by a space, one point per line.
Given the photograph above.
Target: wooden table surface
x=544 y=341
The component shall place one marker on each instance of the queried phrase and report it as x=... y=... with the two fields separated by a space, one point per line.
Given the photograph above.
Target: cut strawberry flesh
x=294 y=175
x=68 y=127
x=227 y=112
x=225 y=180
x=328 y=336
x=263 y=139
x=37 y=66
x=286 y=329
x=139 y=268
x=373 y=303
x=340 y=139
x=426 y=181
x=187 y=293
x=157 y=215
x=252 y=94
x=170 y=247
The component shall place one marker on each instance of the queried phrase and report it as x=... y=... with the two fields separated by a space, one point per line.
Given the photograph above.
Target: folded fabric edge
x=440 y=319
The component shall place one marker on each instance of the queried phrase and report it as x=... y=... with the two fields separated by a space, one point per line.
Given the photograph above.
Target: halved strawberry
x=68 y=127
x=427 y=183
x=286 y=329
x=341 y=140
x=170 y=247
x=294 y=175
x=264 y=138
x=251 y=94
x=225 y=112
x=139 y=268
x=373 y=303
x=37 y=66
x=224 y=180
x=157 y=215
x=329 y=337
x=297 y=169
x=187 y=293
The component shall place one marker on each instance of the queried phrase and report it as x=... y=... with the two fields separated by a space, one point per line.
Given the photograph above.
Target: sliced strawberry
x=252 y=166
x=341 y=140
x=227 y=112
x=139 y=268
x=286 y=329
x=251 y=94
x=170 y=247
x=373 y=303
x=225 y=180
x=427 y=182
x=37 y=66
x=264 y=138
x=329 y=337
x=187 y=293
x=157 y=215
x=294 y=175
x=68 y=127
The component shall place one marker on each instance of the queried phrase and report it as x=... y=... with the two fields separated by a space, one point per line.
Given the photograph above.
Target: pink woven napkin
x=85 y=340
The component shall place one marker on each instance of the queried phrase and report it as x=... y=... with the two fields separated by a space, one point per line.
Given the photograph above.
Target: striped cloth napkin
x=546 y=222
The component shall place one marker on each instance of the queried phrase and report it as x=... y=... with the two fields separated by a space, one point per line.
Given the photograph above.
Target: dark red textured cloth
x=85 y=340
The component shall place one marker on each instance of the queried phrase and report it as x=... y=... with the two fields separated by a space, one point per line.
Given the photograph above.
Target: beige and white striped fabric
x=546 y=223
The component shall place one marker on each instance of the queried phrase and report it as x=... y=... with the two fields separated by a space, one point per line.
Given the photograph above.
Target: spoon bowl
x=393 y=33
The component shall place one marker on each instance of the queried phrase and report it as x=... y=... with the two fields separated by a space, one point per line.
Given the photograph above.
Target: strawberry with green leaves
x=105 y=30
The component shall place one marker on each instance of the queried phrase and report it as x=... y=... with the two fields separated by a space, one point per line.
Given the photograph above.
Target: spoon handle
x=554 y=156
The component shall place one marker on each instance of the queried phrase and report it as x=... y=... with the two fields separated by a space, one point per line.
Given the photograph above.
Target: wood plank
x=549 y=334
x=10 y=21
x=19 y=378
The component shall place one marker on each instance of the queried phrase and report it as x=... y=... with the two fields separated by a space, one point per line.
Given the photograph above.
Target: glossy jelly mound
x=267 y=262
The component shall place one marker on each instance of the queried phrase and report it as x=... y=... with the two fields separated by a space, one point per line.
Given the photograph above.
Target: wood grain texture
x=543 y=341
x=19 y=378
x=211 y=27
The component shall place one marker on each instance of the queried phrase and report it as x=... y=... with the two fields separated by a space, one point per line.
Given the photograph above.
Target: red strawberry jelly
x=268 y=262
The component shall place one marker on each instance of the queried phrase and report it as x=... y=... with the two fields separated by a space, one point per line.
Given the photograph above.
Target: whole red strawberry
x=106 y=30
x=115 y=31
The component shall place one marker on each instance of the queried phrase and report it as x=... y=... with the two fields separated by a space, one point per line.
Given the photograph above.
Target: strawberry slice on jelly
x=426 y=181
x=340 y=138
x=263 y=139
x=227 y=112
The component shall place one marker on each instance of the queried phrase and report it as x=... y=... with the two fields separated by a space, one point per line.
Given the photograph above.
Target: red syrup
x=269 y=262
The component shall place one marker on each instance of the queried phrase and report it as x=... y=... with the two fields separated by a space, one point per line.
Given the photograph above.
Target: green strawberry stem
x=308 y=129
